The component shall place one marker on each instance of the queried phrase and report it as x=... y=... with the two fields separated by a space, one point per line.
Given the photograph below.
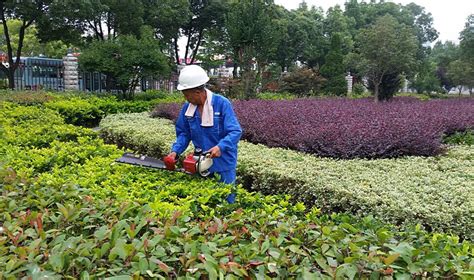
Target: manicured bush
x=35 y=127
x=87 y=109
x=26 y=98
x=345 y=128
x=436 y=192
x=85 y=161
x=67 y=212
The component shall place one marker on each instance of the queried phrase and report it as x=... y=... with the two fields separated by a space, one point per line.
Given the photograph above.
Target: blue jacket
x=225 y=133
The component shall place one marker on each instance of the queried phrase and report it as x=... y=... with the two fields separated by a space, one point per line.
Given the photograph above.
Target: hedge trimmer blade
x=193 y=164
x=141 y=160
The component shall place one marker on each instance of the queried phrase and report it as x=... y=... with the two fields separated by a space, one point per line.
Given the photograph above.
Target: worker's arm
x=231 y=127
x=183 y=134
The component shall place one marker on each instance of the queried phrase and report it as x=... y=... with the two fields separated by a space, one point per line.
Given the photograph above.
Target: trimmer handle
x=170 y=162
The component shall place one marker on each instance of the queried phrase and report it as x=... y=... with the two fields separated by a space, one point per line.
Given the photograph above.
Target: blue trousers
x=228 y=177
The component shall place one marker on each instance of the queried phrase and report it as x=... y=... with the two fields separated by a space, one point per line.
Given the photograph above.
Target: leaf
x=143 y=265
x=85 y=275
x=57 y=262
x=390 y=259
x=226 y=240
x=347 y=270
x=63 y=210
x=326 y=230
x=119 y=249
x=164 y=267
x=265 y=246
x=211 y=270
x=119 y=277
x=272 y=267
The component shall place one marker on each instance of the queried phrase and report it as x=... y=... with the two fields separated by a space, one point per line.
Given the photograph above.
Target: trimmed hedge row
x=66 y=212
x=86 y=161
x=88 y=109
x=347 y=128
x=436 y=192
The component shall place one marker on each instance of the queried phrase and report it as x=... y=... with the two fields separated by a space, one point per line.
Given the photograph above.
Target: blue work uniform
x=225 y=133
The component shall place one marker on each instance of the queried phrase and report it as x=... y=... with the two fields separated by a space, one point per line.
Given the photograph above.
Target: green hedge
x=67 y=211
x=86 y=109
x=436 y=192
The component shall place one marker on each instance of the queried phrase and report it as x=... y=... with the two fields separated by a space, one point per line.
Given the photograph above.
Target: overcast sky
x=449 y=16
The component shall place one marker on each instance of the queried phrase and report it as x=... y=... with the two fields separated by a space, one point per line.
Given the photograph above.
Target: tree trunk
x=234 y=71
x=11 y=78
x=248 y=79
x=108 y=83
x=376 y=92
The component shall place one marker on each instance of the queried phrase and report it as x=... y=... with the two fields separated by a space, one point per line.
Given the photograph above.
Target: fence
x=46 y=73
x=97 y=82
x=39 y=73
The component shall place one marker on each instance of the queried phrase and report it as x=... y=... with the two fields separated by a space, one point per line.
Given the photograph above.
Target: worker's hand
x=215 y=152
x=170 y=161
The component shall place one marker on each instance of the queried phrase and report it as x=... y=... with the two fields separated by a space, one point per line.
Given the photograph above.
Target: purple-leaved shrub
x=350 y=128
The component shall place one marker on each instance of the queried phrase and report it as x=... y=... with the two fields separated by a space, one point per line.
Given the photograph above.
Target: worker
x=208 y=120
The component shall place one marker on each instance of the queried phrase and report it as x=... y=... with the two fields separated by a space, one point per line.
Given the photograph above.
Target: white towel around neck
x=207 y=118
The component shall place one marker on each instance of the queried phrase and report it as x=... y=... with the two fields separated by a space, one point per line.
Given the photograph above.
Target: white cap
x=192 y=76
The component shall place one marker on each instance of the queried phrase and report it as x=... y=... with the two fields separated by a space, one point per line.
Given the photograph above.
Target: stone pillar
x=349 y=83
x=71 y=72
x=405 y=85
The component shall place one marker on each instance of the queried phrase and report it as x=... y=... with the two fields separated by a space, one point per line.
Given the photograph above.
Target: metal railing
x=48 y=74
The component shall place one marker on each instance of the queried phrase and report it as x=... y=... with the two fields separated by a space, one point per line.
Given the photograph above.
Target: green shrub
x=66 y=232
x=302 y=82
x=67 y=211
x=26 y=98
x=276 y=96
x=432 y=191
x=460 y=138
x=358 y=89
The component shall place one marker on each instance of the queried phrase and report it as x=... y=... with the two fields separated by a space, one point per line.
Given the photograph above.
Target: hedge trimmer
x=198 y=162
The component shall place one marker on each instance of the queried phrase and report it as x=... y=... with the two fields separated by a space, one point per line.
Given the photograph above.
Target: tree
x=31 y=44
x=204 y=16
x=387 y=47
x=462 y=71
x=442 y=54
x=27 y=12
x=167 y=17
x=426 y=80
x=69 y=20
x=126 y=59
x=462 y=74
x=411 y=15
x=314 y=49
x=467 y=40
x=337 y=22
x=333 y=70
x=250 y=32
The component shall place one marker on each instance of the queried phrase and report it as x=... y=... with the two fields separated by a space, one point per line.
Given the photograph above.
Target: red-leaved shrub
x=347 y=128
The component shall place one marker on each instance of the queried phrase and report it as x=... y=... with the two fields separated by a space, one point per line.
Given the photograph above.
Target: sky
x=449 y=16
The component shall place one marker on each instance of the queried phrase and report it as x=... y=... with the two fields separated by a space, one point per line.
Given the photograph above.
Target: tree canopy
x=256 y=35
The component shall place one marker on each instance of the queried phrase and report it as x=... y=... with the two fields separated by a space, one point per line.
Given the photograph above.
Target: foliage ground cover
x=434 y=191
x=67 y=212
x=348 y=128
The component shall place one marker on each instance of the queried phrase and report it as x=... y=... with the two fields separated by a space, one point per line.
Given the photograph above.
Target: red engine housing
x=189 y=164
